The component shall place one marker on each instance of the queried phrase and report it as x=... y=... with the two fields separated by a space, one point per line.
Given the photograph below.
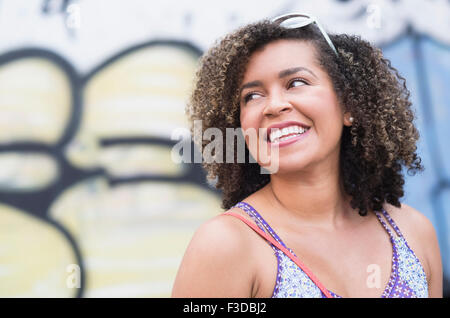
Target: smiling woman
x=339 y=116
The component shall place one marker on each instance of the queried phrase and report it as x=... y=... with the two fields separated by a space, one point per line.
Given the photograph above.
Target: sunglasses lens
x=295 y=22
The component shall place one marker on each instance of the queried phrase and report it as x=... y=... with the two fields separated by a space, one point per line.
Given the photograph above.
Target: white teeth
x=287 y=138
x=277 y=135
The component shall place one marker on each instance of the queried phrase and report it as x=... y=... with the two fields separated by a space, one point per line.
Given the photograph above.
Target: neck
x=314 y=197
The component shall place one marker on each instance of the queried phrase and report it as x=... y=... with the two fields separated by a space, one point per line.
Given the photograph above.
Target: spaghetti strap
x=259 y=220
x=380 y=218
x=392 y=223
x=251 y=212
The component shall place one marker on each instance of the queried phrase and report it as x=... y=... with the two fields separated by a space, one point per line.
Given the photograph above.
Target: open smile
x=287 y=136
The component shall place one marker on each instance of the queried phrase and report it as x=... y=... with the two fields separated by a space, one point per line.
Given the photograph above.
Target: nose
x=276 y=105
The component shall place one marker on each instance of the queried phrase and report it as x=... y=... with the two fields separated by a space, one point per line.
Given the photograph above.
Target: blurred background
x=91 y=202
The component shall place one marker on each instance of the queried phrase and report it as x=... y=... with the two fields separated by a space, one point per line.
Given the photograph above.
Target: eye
x=250 y=96
x=297 y=82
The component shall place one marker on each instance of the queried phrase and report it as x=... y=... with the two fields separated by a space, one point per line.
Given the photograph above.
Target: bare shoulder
x=223 y=234
x=216 y=262
x=421 y=236
x=411 y=221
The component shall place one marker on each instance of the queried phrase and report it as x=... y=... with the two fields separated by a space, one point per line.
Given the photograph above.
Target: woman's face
x=284 y=82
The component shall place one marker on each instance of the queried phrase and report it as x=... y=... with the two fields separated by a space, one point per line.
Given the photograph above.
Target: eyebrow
x=294 y=70
x=282 y=74
x=250 y=85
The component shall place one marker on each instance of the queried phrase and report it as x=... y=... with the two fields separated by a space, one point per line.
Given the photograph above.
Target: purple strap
x=264 y=226
x=392 y=223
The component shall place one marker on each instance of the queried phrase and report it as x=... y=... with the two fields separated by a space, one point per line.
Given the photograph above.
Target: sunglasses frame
x=282 y=18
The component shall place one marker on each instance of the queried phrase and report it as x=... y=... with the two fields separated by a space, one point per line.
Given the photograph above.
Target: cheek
x=327 y=110
x=327 y=116
x=249 y=120
x=329 y=124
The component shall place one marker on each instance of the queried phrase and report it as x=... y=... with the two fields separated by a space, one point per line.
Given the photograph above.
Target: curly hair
x=381 y=139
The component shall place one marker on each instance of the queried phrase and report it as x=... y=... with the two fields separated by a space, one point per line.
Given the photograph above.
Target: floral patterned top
x=407 y=280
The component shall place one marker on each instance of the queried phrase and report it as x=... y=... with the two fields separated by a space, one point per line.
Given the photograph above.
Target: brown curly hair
x=381 y=139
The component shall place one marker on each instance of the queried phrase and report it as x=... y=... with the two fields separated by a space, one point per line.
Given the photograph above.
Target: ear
x=348 y=119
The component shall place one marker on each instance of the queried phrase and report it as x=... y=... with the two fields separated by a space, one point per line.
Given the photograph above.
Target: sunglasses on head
x=297 y=20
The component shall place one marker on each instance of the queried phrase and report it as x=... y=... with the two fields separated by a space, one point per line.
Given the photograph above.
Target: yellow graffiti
x=131 y=236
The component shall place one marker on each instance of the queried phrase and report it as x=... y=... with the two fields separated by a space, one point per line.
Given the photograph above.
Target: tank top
x=407 y=279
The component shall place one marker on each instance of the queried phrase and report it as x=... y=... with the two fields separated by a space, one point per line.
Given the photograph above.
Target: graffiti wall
x=91 y=202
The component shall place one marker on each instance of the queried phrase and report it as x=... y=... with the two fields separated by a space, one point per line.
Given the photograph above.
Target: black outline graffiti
x=37 y=203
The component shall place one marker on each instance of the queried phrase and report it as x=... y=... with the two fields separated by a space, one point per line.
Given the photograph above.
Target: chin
x=288 y=167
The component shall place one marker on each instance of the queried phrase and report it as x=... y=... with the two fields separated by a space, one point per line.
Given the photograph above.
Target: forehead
x=282 y=54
